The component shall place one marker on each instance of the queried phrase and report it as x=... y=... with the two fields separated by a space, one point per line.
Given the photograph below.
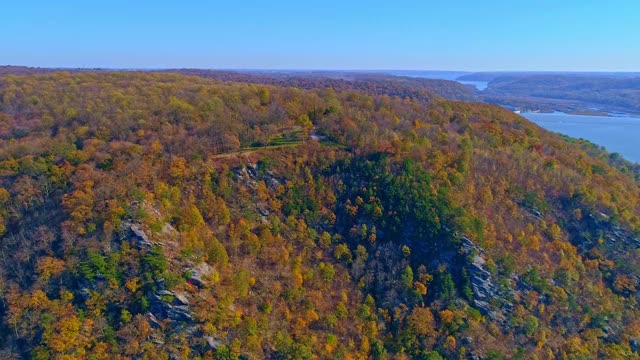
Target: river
x=443 y=75
x=619 y=134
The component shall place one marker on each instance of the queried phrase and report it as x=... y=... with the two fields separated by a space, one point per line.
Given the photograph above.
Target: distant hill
x=610 y=92
x=371 y=83
x=26 y=70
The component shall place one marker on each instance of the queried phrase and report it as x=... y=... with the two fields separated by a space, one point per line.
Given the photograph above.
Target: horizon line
x=314 y=69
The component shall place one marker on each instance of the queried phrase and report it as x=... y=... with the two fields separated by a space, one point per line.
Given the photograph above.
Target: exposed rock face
x=482 y=283
x=618 y=239
x=245 y=176
x=181 y=298
x=140 y=235
x=272 y=181
x=250 y=176
x=171 y=305
x=483 y=287
x=213 y=343
x=153 y=321
x=179 y=313
x=200 y=273
x=137 y=234
x=168 y=229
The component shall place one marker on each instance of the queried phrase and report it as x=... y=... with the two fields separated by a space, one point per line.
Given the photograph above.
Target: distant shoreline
x=579 y=112
x=585 y=112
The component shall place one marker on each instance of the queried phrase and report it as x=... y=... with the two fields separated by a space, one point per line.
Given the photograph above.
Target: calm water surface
x=443 y=75
x=617 y=134
x=480 y=85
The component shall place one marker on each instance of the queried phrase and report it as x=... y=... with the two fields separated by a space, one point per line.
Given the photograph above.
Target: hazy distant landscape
x=567 y=92
x=594 y=93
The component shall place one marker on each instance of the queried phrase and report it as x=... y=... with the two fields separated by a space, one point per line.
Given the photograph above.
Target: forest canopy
x=160 y=215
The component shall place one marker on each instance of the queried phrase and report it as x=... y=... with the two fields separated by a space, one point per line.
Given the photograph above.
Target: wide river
x=443 y=75
x=616 y=133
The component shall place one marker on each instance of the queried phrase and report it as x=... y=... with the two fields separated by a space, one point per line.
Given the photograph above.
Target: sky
x=466 y=35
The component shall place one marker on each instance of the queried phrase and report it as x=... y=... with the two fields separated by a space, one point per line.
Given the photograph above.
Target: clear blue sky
x=579 y=35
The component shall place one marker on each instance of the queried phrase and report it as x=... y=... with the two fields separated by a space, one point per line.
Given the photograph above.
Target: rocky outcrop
x=271 y=181
x=153 y=321
x=179 y=313
x=137 y=235
x=212 y=342
x=200 y=274
x=181 y=298
x=171 y=305
x=616 y=237
x=482 y=282
x=167 y=229
x=247 y=175
x=483 y=288
x=250 y=176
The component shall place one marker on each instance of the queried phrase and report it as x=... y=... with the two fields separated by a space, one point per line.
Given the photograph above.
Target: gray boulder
x=199 y=273
x=138 y=235
x=212 y=342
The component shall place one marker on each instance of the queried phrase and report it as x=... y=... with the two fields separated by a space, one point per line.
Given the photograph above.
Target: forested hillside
x=158 y=216
x=369 y=83
x=608 y=92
